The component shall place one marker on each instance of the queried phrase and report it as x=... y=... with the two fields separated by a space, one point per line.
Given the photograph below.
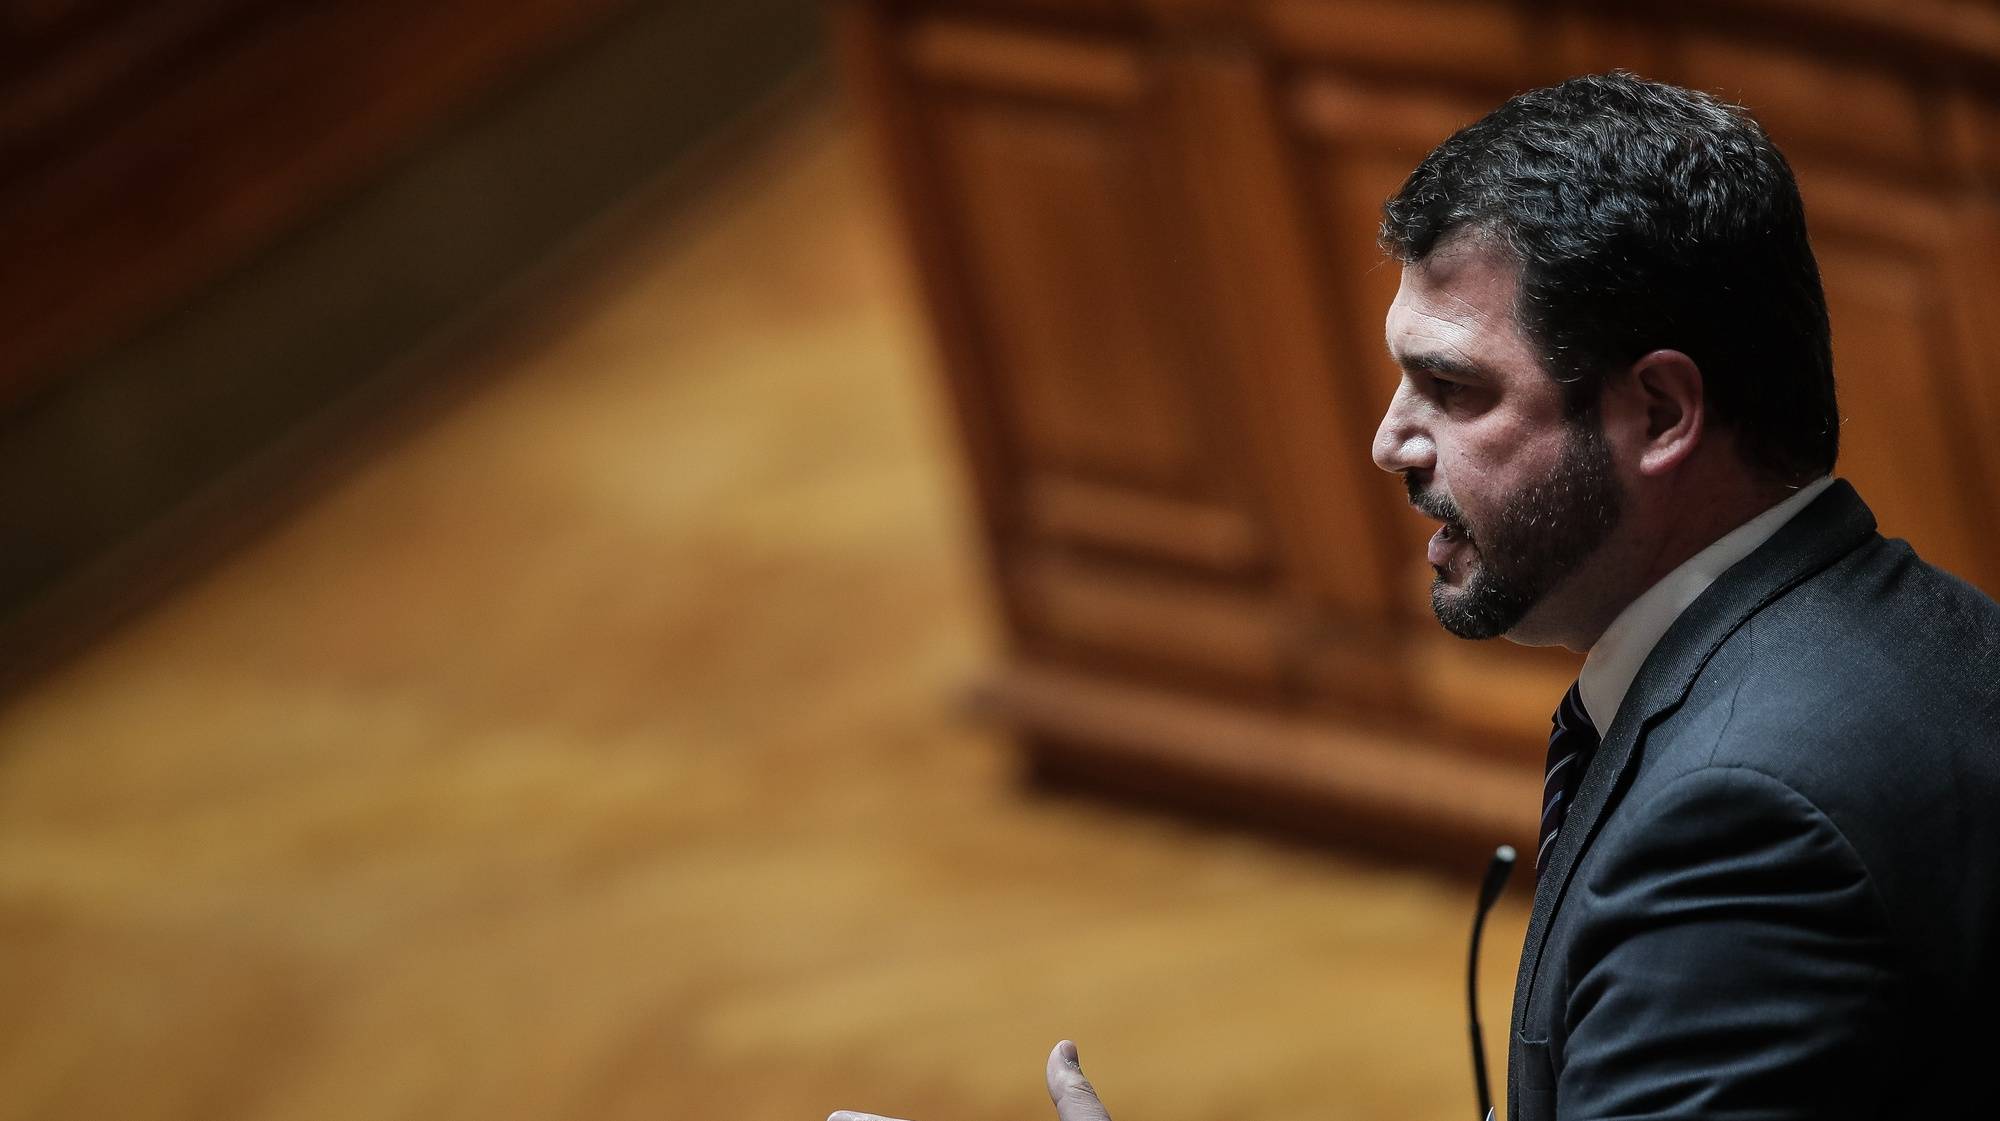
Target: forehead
x=1457 y=305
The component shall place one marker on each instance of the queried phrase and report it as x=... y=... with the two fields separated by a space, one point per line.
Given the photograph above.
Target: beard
x=1543 y=532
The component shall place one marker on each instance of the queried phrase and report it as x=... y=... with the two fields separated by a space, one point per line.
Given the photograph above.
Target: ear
x=1656 y=410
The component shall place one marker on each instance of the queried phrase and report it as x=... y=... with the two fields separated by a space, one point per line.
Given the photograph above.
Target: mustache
x=1433 y=504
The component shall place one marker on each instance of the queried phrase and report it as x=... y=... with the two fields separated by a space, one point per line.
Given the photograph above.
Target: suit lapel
x=1833 y=525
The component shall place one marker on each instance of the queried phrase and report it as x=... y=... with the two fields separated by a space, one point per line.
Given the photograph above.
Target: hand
x=1075 y=1098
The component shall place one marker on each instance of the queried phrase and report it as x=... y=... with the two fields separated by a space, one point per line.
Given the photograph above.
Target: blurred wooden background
x=227 y=225
x=561 y=710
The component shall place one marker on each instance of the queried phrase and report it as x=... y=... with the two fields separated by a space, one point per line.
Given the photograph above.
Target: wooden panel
x=873 y=55
x=1084 y=13
x=1194 y=533
x=1152 y=618
x=182 y=185
x=1072 y=270
x=1969 y=276
x=1271 y=298
x=1908 y=436
x=1351 y=668
x=1815 y=103
x=1497 y=694
x=1047 y=217
x=1335 y=109
x=1016 y=61
x=1386 y=783
x=1596 y=39
x=1087 y=338
x=1458 y=40
x=1933 y=31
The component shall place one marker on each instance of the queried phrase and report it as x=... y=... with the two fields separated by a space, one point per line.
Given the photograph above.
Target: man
x=1768 y=884
x=1773 y=889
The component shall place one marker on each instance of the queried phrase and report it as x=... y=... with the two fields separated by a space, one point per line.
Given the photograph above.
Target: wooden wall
x=223 y=222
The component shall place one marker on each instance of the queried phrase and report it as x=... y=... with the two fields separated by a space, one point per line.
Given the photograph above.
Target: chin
x=1483 y=605
x=1464 y=613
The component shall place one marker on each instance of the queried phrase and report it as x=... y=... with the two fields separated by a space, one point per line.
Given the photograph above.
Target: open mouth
x=1450 y=541
x=1445 y=547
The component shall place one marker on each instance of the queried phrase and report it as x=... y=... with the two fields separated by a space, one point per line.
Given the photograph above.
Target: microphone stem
x=1489 y=892
x=1479 y=1079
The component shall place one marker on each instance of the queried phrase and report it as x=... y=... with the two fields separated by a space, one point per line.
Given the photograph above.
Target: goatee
x=1542 y=533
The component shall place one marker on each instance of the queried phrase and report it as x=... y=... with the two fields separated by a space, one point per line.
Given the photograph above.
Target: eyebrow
x=1438 y=363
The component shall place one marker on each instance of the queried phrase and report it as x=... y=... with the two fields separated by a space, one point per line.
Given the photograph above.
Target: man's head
x=1609 y=307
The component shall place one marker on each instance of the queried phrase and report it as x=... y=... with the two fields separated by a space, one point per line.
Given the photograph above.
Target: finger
x=850 y=1115
x=1075 y=1097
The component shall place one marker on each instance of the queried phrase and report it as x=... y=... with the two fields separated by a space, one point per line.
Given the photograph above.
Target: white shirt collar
x=1614 y=661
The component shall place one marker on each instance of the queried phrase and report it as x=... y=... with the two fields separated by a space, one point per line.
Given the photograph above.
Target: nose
x=1402 y=443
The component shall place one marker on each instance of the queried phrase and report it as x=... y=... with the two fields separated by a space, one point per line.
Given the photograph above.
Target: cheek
x=1472 y=476
x=1482 y=475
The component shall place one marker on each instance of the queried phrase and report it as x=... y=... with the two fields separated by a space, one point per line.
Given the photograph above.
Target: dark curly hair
x=1645 y=216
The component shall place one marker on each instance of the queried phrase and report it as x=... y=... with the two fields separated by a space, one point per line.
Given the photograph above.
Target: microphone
x=1489 y=892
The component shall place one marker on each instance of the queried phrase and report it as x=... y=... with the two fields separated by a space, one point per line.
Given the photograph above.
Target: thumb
x=1075 y=1097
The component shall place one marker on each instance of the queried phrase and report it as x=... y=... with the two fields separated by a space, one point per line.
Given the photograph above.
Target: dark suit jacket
x=1777 y=893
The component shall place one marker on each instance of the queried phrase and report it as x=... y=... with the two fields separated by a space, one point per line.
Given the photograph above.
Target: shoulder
x=1863 y=708
x=1879 y=662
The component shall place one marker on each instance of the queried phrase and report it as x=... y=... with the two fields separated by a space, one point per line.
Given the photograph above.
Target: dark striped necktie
x=1572 y=740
